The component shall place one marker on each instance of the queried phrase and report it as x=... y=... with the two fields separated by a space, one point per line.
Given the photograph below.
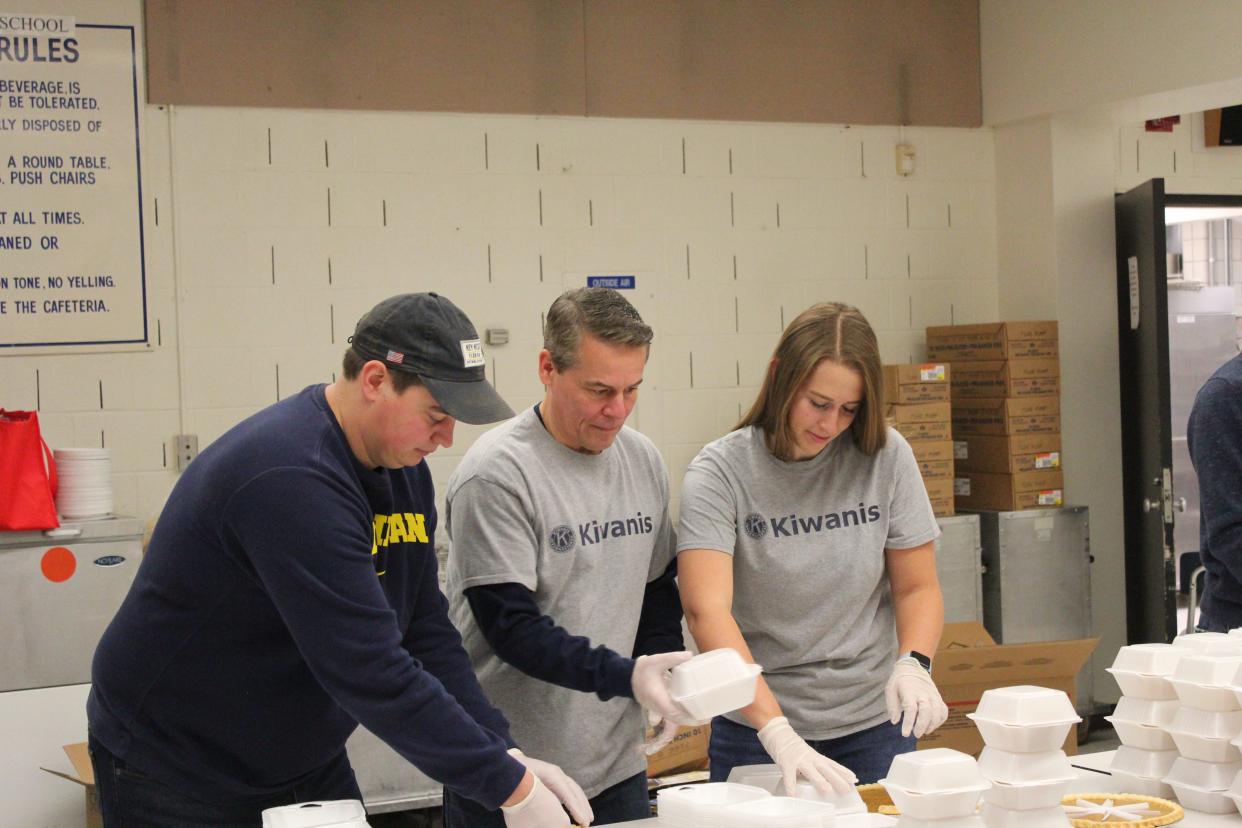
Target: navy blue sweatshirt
x=1214 y=435
x=289 y=593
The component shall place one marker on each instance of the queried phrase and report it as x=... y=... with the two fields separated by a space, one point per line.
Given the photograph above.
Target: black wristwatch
x=923 y=660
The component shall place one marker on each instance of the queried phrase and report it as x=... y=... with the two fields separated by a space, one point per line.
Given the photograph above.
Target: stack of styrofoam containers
x=730 y=805
x=1207 y=722
x=1143 y=715
x=936 y=788
x=1023 y=728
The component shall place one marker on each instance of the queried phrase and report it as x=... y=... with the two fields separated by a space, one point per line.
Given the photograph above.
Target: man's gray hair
x=601 y=312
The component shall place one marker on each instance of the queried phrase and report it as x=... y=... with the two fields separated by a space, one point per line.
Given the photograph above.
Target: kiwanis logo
x=756 y=526
x=562 y=538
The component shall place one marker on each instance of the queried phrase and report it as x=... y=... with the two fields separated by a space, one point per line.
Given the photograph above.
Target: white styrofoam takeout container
x=995 y=817
x=1025 y=704
x=940 y=804
x=1143 y=785
x=1202 y=786
x=777 y=812
x=1151 y=712
x=1208 y=669
x=769 y=778
x=1138 y=735
x=1142 y=685
x=972 y=821
x=700 y=805
x=999 y=765
x=1208 y=643
x=714 y=683
x=339 y=813
x=1149 y=659
x=1149 y=764
x=1022 y=738
x=935 y=770
x=1026 y=796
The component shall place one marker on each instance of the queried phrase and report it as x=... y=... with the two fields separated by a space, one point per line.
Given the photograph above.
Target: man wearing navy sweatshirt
x=289 y=593
x=561 y=573
x=1214 y=436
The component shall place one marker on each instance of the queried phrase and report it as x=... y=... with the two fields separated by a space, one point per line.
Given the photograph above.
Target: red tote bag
x=27 y=474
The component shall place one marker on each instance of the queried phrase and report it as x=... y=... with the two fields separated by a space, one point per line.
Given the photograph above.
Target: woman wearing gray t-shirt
x=806 y=543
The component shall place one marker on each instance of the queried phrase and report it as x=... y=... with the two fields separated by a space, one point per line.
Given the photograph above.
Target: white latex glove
x=540 y=809
x=796 y=758
x=911 y=696
x=562 y=787
x=650 y=683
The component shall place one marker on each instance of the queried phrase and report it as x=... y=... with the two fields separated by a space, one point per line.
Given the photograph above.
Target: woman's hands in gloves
x=796 y=758
x=558 y=788
x=540 y=809
x=912 y=697
x=650 y=683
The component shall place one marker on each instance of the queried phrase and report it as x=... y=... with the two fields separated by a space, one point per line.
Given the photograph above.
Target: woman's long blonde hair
x=829 y=330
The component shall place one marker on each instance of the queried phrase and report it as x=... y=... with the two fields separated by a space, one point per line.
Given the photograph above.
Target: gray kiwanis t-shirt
x=809 y=589
x=585 y=533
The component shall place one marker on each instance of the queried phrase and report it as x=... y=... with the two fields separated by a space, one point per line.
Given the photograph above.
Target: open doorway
x=1179 y=297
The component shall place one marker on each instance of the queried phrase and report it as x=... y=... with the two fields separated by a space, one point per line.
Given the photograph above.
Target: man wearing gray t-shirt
x=561 y=574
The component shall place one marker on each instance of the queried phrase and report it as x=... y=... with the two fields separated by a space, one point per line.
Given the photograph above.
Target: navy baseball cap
x=427 y=335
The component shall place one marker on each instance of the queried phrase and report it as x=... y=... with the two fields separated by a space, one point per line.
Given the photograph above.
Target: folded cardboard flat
x=84 y=775
x=969 y=661
x=992 y=340
x=916 y=383
x=1007 y=415
x=1009 y=492
x=1007 y=378
x=940 y=493
x=687 y=751
x=1008 y=454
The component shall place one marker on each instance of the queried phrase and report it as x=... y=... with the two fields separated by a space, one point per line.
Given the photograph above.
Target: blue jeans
x=129 y=798
x=624 y=801
x=868 y=753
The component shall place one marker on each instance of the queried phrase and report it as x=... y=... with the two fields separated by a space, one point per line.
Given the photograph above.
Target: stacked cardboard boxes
x=1006 y=403
x=918 y=398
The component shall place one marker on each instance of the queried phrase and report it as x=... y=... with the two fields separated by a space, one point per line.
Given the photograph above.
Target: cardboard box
x=1008 y=492
x=931 y=449
x=940 y=493
x=993 y=340
x=936 y=469
x=687 y=751
x=1009 y=454
x=1007 y=378
x=1010 y=415
x=933 y=431
x=916 y=383
x=84 y=775
x=928 y=412
x=969 y=661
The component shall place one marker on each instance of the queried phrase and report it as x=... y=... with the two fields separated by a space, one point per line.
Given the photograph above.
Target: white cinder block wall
x=278 y=229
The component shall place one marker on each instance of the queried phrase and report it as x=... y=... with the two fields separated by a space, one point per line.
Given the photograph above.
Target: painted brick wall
x=277 y=229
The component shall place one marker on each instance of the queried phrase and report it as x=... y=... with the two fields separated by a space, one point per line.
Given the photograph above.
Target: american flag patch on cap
x=395 y=357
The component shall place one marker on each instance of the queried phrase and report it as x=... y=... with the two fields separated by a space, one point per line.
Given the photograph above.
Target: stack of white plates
x=85 y=482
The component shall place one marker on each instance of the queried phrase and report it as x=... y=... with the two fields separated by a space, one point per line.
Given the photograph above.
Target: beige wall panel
x=500 y=56
x=828 y=61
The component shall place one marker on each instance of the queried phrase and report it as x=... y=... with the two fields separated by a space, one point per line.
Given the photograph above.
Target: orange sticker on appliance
x=58 y=564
